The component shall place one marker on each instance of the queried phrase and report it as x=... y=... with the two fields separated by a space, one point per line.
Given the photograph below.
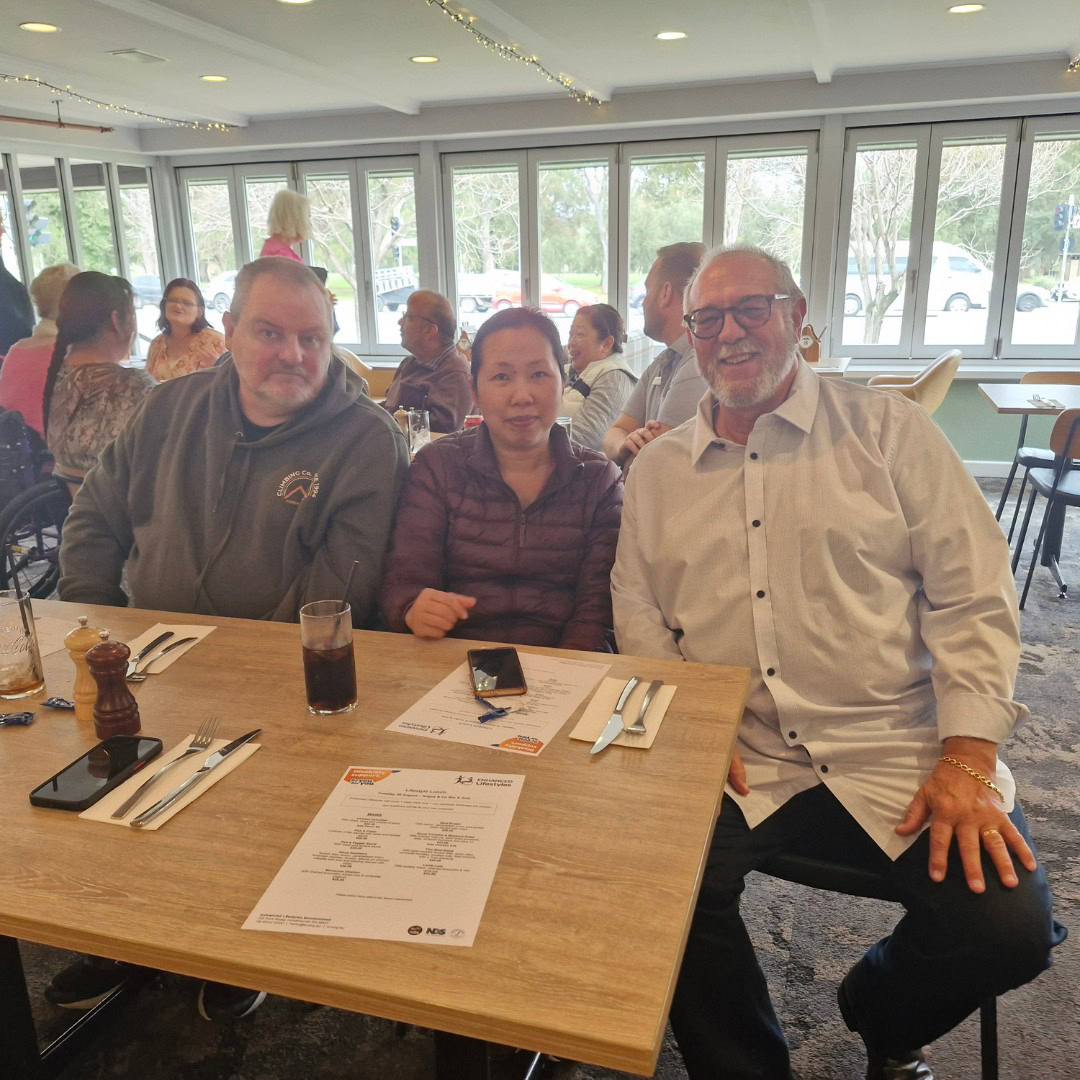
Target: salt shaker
x=116 y=711
x=77 y=642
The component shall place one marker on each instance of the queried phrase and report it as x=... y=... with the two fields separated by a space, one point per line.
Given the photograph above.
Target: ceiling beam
x=261 y=53
x=556 y=58
x=123 y=93
x=819 y=40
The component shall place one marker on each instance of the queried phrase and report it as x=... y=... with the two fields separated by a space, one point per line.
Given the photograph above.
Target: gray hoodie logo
x=298 y=486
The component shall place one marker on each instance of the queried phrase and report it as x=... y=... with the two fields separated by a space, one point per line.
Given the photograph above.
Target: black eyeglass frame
x=691 y=317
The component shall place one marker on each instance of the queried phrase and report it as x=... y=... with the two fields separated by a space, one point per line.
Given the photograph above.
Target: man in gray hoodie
x=244 y=490
x=247 y=489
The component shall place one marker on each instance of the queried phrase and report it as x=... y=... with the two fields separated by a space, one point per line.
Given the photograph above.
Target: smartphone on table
x=496 y=672
x=106 y=766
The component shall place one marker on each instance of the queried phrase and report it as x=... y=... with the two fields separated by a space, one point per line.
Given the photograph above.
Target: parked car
x=1030 y=297
x=219 y=292
x=147 y=288
x=556 y=296
x=476 y=292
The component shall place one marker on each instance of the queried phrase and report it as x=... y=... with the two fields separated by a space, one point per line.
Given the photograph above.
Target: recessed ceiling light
x=294 y=1
x=424 y=59
x=214 y=78
x=965 y=9
x=39 y=27
x=670 y=35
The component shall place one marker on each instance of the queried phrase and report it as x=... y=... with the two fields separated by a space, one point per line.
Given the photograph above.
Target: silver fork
x=141 y=676
x=202 y=740
x=638 y=726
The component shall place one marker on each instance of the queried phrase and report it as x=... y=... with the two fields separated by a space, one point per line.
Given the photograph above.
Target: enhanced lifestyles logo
x=298 y=486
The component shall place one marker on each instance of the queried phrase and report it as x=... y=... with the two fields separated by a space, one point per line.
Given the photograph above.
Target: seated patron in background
x=600 y=381
x=507 y=531
x=669 y=389
x=187 y=342
x=435 y=375
x=244 y=490
x=289 y=225
x=88 y=396
x=831 y=540
x=22 y=375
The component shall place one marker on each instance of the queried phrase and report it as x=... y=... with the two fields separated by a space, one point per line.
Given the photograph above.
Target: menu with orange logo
x=557 y=687
x=396 y=854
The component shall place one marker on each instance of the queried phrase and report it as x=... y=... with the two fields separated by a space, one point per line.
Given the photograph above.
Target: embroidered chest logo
x=298 y=486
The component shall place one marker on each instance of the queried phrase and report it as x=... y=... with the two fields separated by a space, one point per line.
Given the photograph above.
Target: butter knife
x=208 y=766
x=146 y=650
x=614 y=726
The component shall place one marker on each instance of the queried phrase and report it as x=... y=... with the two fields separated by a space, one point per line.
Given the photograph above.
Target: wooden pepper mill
x=116 y=711
x=77 y=642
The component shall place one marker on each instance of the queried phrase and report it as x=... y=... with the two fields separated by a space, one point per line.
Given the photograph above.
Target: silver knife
x=146 y=650
x=614 y=725
x=208 y=766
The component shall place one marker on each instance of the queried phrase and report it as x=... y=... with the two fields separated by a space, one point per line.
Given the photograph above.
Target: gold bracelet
x=971 y=772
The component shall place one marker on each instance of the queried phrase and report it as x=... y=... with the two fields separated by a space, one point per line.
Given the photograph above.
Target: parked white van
x=958 y=281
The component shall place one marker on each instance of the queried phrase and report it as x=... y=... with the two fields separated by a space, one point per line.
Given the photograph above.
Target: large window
x=333 y=245
x=211 y=236
x=95 y=236
x=259 y=192
x=43 y=212
x=391 y=219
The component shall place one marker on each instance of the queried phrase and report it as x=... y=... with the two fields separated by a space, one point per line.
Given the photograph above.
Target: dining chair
x=817 y=866
x=1060 y=484
x=930 y=386
x=1031 y=457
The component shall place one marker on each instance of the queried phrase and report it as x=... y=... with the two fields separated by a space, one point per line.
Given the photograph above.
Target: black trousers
x=950 y=950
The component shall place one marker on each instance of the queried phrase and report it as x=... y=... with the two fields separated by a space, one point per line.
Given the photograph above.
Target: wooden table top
x=1014 y=399
x=584 y=928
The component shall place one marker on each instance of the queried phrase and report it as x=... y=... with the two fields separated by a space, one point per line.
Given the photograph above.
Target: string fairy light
x=113 y=107
x=1074 y=63
x=511 y=52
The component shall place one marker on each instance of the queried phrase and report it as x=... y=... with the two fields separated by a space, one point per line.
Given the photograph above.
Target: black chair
x=822 y=868
x=1031 y=457
x=1059 y=485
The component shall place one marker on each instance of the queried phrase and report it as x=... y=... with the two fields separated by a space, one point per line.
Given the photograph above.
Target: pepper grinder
x=77 y=642
x=116 y=711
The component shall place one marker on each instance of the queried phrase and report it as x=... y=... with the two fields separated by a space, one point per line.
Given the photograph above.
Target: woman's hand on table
x=434 y=614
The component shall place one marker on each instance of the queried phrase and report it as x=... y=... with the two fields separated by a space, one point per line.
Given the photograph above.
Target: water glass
x=21 y=673
x=326 y=636
x=419 y=429
x=567 y=424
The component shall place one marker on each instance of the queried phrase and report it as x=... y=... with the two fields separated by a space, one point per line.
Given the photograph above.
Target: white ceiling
x=352 y=56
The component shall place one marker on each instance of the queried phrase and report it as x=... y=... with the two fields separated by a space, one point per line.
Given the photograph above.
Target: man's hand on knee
x=959 y=804
x=736 y=774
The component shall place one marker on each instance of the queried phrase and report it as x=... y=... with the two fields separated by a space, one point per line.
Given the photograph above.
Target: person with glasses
x=187 y=342
x=434 y=375
x=826 y=536
x=671 y=385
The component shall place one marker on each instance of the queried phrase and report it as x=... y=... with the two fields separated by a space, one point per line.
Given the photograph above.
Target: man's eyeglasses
x=422 y=318
x=750 y=313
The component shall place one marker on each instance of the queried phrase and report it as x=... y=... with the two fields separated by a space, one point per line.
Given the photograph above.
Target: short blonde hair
x=290 y=216
x=47 y=288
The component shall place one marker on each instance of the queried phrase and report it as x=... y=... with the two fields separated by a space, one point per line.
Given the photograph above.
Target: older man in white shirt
x=827 y=536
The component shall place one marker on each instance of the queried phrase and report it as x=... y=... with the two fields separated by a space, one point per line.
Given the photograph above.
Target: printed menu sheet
x=396 y=854
x=557 y=686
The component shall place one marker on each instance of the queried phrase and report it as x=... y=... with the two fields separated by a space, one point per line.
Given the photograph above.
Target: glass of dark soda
x=329 y=664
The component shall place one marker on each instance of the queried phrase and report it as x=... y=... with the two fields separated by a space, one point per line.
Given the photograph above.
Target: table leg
x=458 y=1057
x=19 y=1057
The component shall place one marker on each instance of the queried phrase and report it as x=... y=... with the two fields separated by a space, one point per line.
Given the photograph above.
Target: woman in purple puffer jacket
x=507 y=531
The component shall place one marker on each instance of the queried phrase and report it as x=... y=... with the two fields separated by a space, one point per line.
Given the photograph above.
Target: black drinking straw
x=348 y=580
x=9 y=556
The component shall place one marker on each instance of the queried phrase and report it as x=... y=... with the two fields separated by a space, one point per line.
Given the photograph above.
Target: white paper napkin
x=102 y=809
x=599 y=710
x=180 y=631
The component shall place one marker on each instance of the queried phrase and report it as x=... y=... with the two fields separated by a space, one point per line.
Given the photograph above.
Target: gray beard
x=758 y=391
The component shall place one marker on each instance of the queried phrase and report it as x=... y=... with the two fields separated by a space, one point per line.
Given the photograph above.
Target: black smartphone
x=496 y=672
x=97 y=772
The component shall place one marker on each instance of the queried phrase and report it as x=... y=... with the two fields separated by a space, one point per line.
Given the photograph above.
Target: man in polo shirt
x=434 y=376
x=669 y=390
x=826 y=536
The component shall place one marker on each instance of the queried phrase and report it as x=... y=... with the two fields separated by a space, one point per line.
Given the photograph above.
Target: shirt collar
x=680 y=346
x=435 y=361
x=797 y=409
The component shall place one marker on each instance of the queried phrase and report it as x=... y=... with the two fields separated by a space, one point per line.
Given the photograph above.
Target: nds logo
x=437 y=931
x=416 y=931
x=298 y=486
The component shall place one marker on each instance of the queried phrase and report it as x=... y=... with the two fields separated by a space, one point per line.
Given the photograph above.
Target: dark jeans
x=951 y=950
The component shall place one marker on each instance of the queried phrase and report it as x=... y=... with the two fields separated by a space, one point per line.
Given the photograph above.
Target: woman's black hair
x=519 y=318
x=86 y=309
x=607 y=323
x=200 y=323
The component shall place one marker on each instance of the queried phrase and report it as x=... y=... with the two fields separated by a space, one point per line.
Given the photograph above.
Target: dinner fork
x=140 y=676
x=201 y=741
x=638 y=726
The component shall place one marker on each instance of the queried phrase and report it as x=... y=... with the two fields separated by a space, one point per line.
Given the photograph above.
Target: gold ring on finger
x=990 y=832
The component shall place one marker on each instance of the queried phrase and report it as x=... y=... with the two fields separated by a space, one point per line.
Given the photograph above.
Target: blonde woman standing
x=288 y=223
